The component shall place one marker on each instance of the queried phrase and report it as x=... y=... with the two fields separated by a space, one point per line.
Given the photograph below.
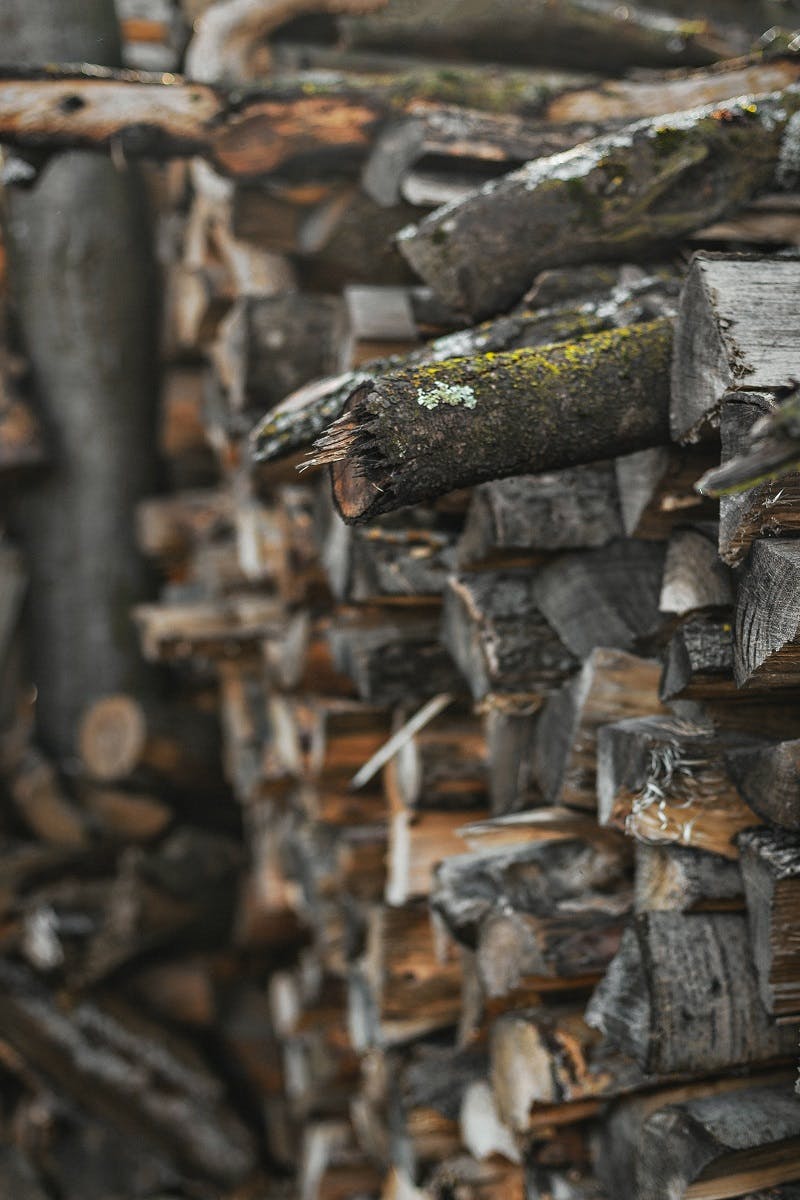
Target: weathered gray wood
x=395 y=659
x=444 y=765
x=679 y=879
x=82 y=223
x=510 y=737
x=656 y=489
x=771 y=873
x=768 y=776
x=606 y=597
x=735 y=332
x=767 y=619
x=720 y=1145
x=694 y=578
x=611 y=685
x=682 y=995
x=606 y=199
x=416 y=434
x=562 y=510
x=496 y=632
x=698 y=661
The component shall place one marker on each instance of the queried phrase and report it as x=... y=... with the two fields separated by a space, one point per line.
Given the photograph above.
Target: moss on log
x=419 y=433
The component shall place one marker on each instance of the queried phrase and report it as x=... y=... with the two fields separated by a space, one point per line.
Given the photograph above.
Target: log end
x=112 y=737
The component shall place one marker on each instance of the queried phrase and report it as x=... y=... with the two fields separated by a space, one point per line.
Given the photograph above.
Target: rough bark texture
x=83 y=225
x=421 y=433
x=645 y=186
x=682 y=995
x=768 y=776
x=768 y=616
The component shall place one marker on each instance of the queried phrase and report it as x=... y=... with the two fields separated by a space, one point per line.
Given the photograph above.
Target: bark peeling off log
x=420 y=433
x=646 y=185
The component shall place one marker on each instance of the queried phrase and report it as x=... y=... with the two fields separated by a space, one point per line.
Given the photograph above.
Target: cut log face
x=656 y=489
x=611 y=686
x=564 y=510
x=768 y=616
x=666 y=780
x=605 y=597
x=720 y=1146
x=768 y=777
x=497 y=634
x=682 y=995
x=733 y=333
x=771 y=872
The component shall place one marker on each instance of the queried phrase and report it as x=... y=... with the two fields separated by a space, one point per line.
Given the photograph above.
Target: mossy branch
x=412 y=435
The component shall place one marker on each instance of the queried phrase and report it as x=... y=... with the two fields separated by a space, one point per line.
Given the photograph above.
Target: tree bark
x=419 y=433
x=82 y=280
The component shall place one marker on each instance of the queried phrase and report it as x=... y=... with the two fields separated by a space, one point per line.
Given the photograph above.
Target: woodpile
x=442 y=842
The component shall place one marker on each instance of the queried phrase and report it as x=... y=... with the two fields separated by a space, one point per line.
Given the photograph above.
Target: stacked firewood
x=455 y=854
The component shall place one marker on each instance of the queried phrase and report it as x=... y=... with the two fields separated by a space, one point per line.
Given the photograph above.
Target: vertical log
x=82 y=281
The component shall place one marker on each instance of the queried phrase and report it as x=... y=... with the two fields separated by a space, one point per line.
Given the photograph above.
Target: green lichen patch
x=447 y=393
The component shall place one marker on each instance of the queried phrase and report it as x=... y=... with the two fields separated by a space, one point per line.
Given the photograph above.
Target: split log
x=578 y=307
x=694 y=578
x=269 y=345
x=550 y=879
x=682 y=995
x=698 y=661
x=400 y=990
x=768 y=777
x=767 y=621
x=390 y=561
x=606 y=597
x=575 y=35
x=510 y=726
x=443 y=766
x=170 y=527
x=656 y=489
x=550 y=1056
x=663 y=779
x=721 y=1146
x=418 y=842
x=494 y=628
x=611 y=686
x=417 y=434
x=127 y=1077
x=771 y=872
x=679 y=879
x=609 y=198
x=393 y=659
x=732 y=334
x=44 y=806
x=563 y=510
